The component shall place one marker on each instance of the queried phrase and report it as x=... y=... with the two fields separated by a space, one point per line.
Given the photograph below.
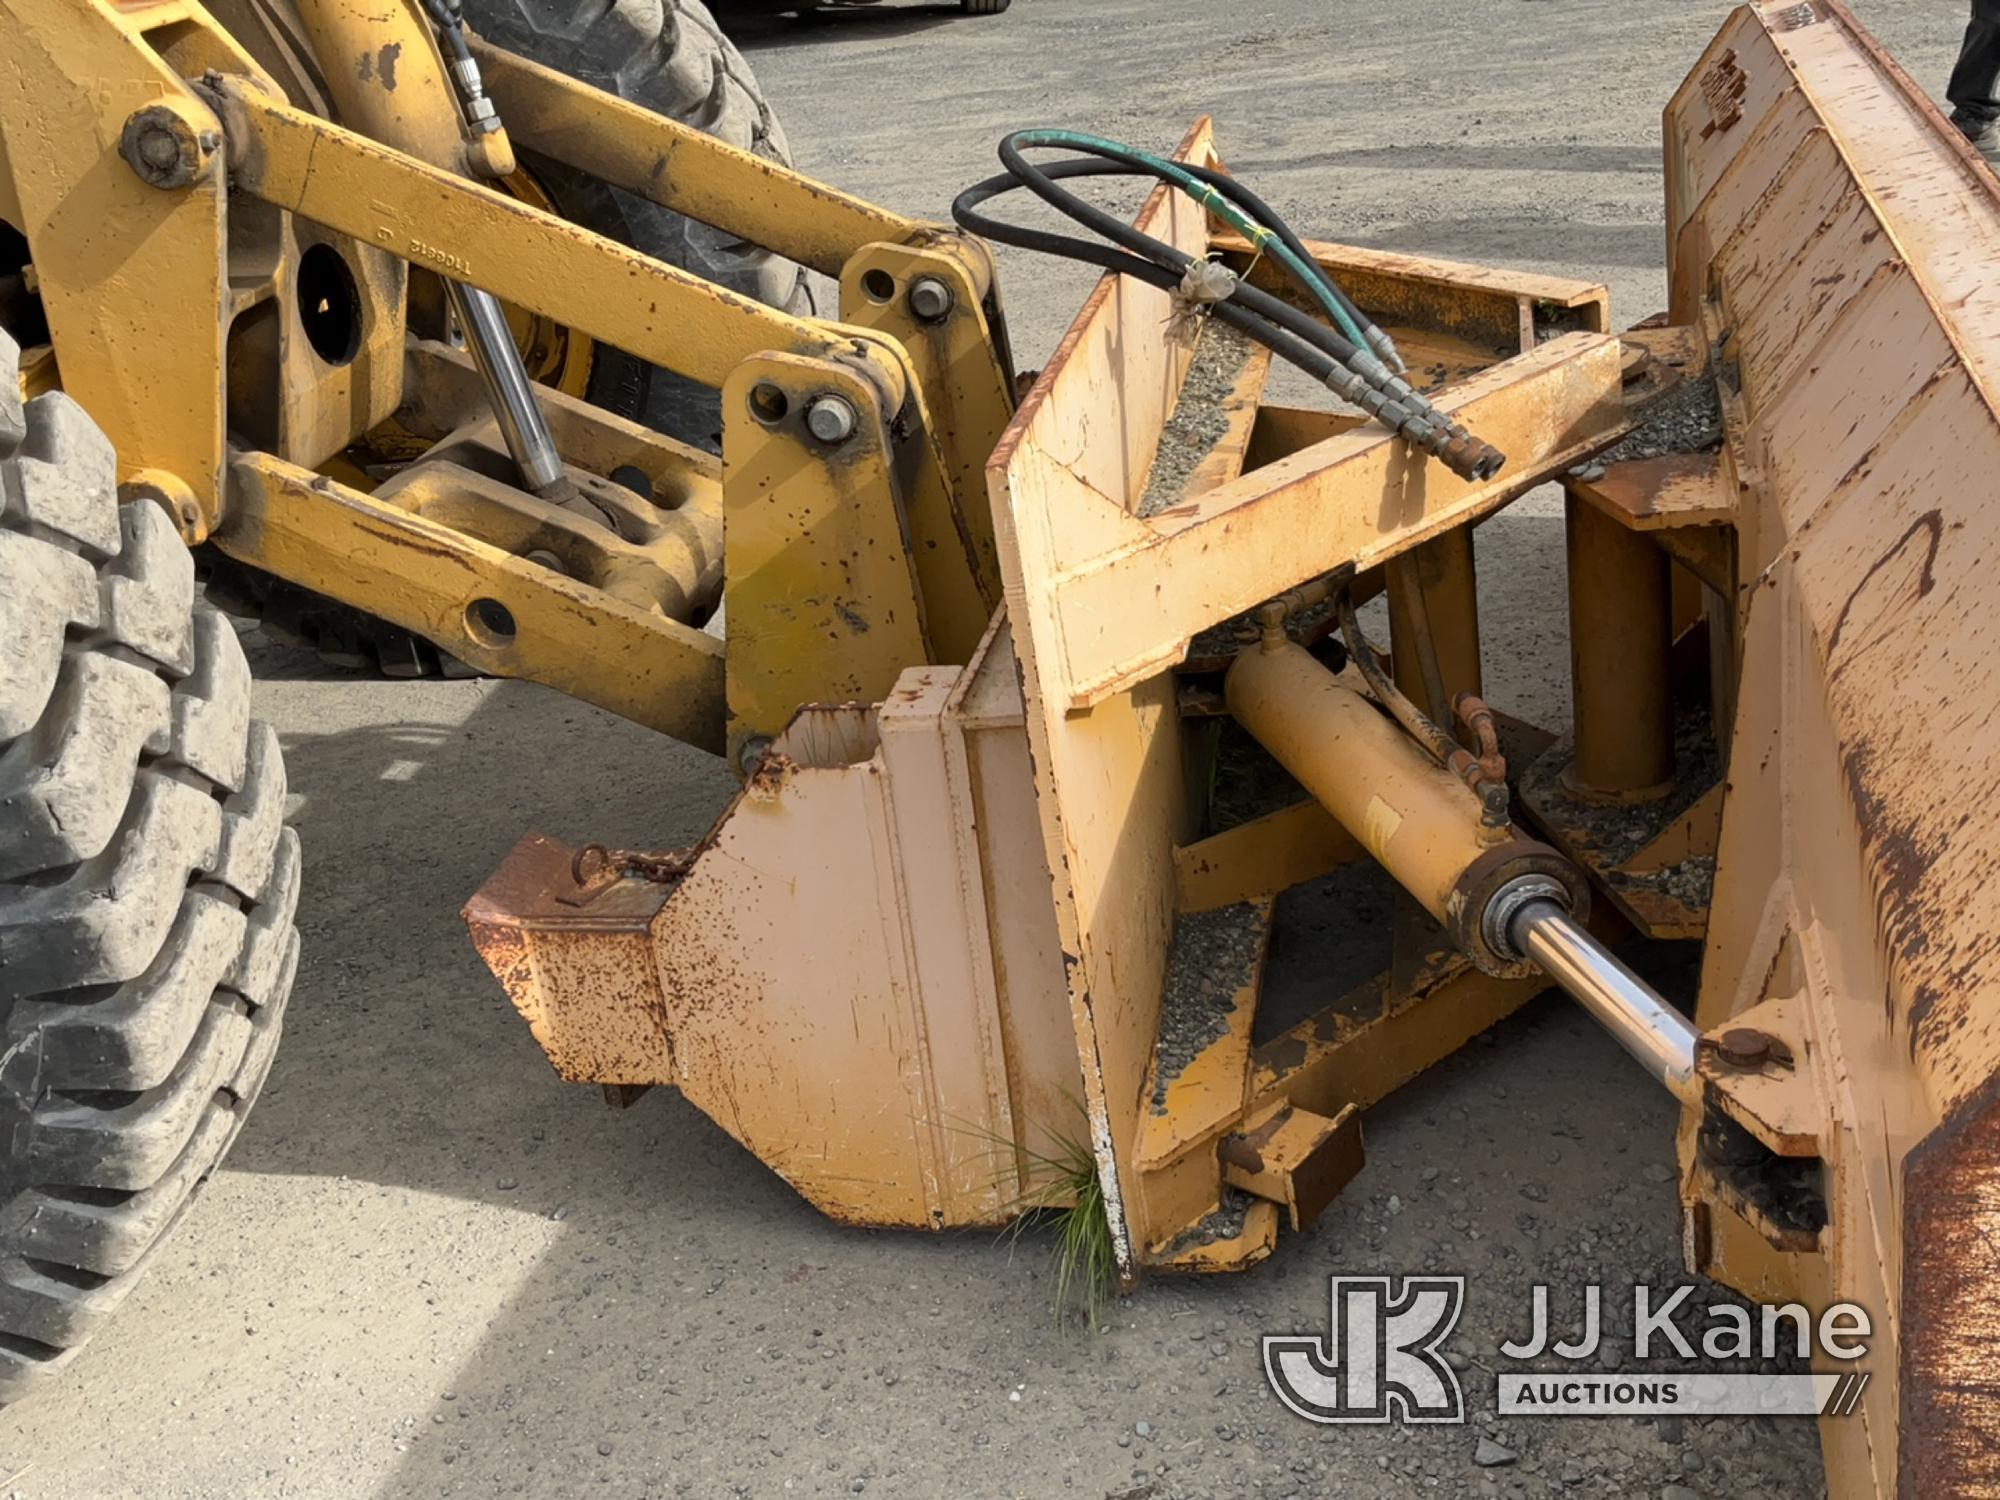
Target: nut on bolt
x=165 y=147
x=1744 y=1047
x=931 y=299
x=831 y=419
x=750 y=754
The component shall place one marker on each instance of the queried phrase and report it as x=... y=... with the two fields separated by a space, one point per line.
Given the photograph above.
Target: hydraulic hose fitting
x=1385 y=349
x=1379 y=374
x=1425 y=427
x=1469 y=458
x=489 y=152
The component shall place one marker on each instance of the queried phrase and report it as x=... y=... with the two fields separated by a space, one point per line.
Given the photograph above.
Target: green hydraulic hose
x=1310 y=275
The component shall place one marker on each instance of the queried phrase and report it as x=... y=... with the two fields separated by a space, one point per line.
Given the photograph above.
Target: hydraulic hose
x=1203 y=189
x=1349 y=361
x=1493 y=795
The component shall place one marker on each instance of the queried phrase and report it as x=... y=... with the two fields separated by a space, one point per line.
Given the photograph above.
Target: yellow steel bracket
x=84 y=86
x=933 y=299
x=926 y=286
x=657 y=312
x=524 y=255
x=820 y=580
x=503 y=614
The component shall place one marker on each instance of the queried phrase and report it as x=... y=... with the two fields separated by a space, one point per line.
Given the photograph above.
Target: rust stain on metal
x=773 y=770
x=1723 y=87
x=581 y=976
x=596 y=869
x=1950 y=1440
x=1904 y=853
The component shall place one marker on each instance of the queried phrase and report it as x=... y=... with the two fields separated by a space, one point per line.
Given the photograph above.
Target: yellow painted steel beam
x=1205 y=1095
x=522 y=254
x=1262 y=857
x=498 y=612
x=1499 y=309
x=684 y=169
x=132 y=276
x=1356 y=499
x=1360 y=1050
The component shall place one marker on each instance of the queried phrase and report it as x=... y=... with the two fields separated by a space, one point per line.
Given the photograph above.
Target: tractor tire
x=983 y=7
x=671 y=57
x=147 y=884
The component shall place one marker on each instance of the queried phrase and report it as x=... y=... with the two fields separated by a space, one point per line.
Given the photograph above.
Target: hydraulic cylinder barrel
x=1504 y=905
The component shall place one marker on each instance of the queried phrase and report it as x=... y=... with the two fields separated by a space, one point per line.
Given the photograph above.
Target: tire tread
x=147 y=885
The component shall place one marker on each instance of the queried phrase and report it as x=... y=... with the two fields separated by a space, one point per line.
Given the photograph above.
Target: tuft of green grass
x=1064 y=1191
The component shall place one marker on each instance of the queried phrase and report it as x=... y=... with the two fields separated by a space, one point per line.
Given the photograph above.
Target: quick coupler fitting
x=1469 y=458
x=1423 y=427
x=1385 y=347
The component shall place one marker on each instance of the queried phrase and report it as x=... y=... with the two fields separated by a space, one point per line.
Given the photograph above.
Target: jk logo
x=1382 y=1362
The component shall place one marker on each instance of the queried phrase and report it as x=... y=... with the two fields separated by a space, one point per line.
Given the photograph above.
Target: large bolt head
x=164 y=148
x=831 y=419
x=930 y=299
x=1743 y=1046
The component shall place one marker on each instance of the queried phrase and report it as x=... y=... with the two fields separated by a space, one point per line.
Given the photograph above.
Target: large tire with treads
x=147 y=884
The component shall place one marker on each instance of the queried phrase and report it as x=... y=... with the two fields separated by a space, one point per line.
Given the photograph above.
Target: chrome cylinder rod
x=522 y=426
x=1623 y=1003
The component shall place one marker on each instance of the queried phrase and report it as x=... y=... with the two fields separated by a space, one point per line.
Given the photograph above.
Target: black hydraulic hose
x=1311 y=357
x=1041 y=181
x=1136 y=164
x=1234 y=190
x=1135 y=243
x=1422 y=728
x=450 y=24
x=1354 y=374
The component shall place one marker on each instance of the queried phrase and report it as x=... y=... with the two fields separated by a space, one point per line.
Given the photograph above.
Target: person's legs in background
x=1975 y=82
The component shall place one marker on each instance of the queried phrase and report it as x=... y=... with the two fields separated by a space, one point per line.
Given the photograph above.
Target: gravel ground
x=1211 y=957
x=430 y=1270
